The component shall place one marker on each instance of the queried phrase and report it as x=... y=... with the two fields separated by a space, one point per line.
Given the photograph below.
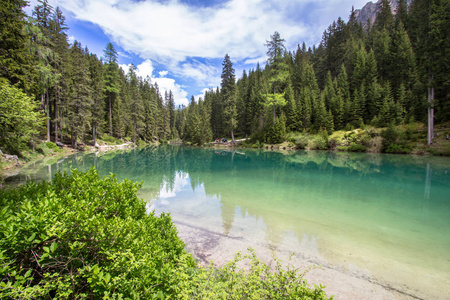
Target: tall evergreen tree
x=278 y=71
x=80 y=93
x=15 y=61
x=111 y=85
x=228 y=93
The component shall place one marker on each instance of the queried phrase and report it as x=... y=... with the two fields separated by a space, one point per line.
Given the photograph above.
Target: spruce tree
x=278 y=71
x=111 y=84
x=97 y=108
x=80 y=93
x=228 y=93
x=15 y=61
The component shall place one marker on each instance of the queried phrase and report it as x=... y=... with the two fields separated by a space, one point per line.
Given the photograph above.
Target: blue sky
x=181 y=44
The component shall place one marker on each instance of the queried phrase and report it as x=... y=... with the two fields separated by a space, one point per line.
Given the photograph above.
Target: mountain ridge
x=369 y=11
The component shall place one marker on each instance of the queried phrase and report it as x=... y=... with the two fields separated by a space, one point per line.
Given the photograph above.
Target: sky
x=181 y=44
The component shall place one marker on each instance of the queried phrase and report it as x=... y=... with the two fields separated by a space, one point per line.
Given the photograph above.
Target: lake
x=379 y=225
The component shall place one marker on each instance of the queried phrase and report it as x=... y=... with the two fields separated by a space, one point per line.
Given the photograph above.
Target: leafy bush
x=259 y=282
x=356 y=147
x=257 y=145
x=318 y=143
x=301 y=142
x=81 y=236
x=19 y=118
x=342 y=148
x=398 y=148
x=389 y=137
x=141 y=143
x=110 y=139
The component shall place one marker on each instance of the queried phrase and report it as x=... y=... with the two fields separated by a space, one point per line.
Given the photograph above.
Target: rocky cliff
x=370 y=10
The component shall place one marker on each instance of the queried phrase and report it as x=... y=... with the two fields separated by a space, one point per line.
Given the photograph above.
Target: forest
x=387 y=73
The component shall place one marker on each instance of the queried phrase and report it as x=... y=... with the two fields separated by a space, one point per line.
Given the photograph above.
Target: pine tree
x=80 y=92
x=97 y=108
x=171 y=108
x=111 y=85
x=291 y=109
x=401 y=12
x=278 y=71
x=385 y=18
x=228 y=93
x=15 y=61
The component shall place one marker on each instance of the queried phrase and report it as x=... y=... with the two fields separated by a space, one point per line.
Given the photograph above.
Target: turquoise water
x=386 y=214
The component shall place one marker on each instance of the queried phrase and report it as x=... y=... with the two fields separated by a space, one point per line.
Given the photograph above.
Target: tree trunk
x=110 y=116
x=274 y=111
x=56 y=116
x=274 y=114
x=48 y=116
x=232 y=136
x=430 y=115
x=94 y=135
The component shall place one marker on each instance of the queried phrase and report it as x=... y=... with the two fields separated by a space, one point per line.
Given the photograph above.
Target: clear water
x=386 y=214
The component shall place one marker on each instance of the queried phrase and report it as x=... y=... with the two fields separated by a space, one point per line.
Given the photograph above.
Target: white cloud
x=165 y=84
x=183 y=38
x=170 y=31
x=71 y=39
x=163 y=73
x=202 y=94
x=252 y=61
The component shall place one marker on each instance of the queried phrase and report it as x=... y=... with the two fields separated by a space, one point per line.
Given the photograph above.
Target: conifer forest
x=390 y=72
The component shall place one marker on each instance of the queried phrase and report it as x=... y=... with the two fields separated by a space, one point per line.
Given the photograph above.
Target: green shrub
x=141 y=143
x=356 y=147
x=318 y=143
x=398 y=149
x=81 y=236
x=259 y=282
x=389 y=136
x=47 y=148
x=257 y=145
x=110 y=139
x=301 y=142
x=342 y=148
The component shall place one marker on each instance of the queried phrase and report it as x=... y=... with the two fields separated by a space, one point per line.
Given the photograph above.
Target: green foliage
x=318 y=142
x=110 y=139
x=356 y=147
x=48 y=148
x=259 y=282
x=389 y=136
x=141 y=143
x=397 y=148
x=19 y=120
x=81 y=236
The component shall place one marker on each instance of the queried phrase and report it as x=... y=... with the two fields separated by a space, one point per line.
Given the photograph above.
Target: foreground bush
x=81 y=236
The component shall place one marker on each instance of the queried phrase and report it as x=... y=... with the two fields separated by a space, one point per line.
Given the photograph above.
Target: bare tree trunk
x=48 y=116
x=232 y=136
x=430 y=115
x=56 y=117
x=110 y=116
x=274 y=111
x=94 y=135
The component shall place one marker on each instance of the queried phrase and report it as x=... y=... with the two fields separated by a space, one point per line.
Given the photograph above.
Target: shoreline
x=343 y=282
x=13 y=168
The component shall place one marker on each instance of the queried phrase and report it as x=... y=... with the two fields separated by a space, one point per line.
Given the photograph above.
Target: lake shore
x=342 y=281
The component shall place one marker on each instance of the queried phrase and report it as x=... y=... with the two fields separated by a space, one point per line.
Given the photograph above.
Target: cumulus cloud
x=182 y=38
x=170 y=31
x=145 y=69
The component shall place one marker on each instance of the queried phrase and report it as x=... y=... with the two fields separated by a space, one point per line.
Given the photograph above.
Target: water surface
x=387 y=216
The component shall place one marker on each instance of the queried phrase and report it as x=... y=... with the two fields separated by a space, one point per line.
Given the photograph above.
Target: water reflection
x=383 y=209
